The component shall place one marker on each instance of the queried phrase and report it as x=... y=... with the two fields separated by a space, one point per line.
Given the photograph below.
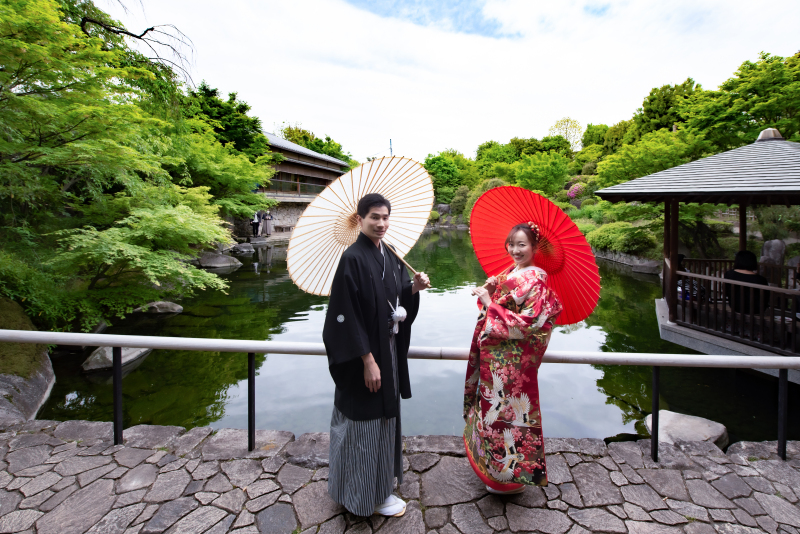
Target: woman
x=503 y=435
x=745 y=269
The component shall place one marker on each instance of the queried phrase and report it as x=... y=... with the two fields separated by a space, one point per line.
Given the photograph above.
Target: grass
x=19 y=359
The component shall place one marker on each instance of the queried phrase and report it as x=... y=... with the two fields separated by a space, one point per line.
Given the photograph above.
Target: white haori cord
x=398 y=314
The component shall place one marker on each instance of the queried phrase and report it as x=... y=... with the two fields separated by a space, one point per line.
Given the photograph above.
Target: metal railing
x=252 y=348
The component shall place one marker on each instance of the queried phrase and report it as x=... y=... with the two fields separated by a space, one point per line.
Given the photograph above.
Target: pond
x=296 y=392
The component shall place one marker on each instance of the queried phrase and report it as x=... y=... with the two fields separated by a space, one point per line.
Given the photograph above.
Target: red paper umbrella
x=563 y=251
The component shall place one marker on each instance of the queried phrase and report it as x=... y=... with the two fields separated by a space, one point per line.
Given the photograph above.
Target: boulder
x=214 y=260
x=102 y=358
x=160 y=306
x=243 y=248
x=674 y=427
x=772 y=253
x=442 y=208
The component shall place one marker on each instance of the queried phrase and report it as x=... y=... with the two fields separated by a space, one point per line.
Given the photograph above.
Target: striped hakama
x=365 y=456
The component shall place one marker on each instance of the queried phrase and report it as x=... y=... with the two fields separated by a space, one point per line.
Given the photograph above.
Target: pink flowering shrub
x=576 y=190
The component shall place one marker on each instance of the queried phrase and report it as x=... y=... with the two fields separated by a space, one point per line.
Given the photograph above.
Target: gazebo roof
x=765 y=172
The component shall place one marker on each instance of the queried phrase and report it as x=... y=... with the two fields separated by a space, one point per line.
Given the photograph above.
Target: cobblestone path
x=68 y=478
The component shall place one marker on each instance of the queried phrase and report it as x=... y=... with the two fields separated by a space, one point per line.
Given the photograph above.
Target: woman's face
x=521 y=250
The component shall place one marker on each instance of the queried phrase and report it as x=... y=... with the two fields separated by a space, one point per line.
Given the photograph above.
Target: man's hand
x=483 y=294
x=421 y=281
x=372 y=373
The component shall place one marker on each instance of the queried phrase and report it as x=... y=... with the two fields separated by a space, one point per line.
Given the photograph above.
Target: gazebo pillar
x=665 y=269
x=742 y=226
x=672 y=288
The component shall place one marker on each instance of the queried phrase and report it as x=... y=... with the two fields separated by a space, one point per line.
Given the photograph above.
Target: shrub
x=585 y=226
x=604 y=237
x=589 y=168
x=445 y=195
x=588 y=202
x=459 y=201
x=576 y=190
x=720 y=227
x=434 y=216
x=792 y=251
x=565 y=206
x=561 y=196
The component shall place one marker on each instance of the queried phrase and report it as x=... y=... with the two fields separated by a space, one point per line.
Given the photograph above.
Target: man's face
x=376 y=223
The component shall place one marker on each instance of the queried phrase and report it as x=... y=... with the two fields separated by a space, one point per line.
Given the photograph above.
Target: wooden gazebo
x=766 y=172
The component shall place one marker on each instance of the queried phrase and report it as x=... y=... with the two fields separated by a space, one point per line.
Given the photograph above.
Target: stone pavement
x=68 y=478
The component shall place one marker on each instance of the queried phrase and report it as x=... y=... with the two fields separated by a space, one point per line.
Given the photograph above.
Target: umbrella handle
x=399 y=258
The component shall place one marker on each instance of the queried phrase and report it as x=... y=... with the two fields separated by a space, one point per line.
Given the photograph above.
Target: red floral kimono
x=503 y=435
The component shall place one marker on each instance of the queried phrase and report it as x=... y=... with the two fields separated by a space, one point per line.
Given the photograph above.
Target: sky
x=432 y=75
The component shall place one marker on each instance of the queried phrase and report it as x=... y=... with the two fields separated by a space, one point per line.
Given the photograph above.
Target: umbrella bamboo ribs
x=329 y=224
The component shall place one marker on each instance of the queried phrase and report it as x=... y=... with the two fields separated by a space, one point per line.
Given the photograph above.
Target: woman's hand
x=421 y=281
x=491 y=285
x=483 y=294
x=372 y=373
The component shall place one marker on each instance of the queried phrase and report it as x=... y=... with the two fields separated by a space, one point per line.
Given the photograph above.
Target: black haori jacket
x=358 y=323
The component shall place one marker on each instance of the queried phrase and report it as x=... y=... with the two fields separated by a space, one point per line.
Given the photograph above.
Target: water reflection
x=295 y=392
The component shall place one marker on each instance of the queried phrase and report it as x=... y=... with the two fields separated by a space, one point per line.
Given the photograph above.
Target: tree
x=444 y=174
x=762 y=94
x=590 y=153
x=557 y=143
x=543 y=172
x=661 y=108
x=229 y=119
x=525 y=146
x=615 y=136
x=656 y=151
x=298 y=135
x=594 y=135
x=569 y=129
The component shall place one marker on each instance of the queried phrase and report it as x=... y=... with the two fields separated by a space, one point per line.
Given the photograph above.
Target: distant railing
x=777 y=275
x=757 y=315
x=425 y=353
x=296 y=188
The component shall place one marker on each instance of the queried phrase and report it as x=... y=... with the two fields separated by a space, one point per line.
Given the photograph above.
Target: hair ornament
x=535 y=229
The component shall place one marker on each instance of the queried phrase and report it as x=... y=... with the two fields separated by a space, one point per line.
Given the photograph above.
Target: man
x=367 y=342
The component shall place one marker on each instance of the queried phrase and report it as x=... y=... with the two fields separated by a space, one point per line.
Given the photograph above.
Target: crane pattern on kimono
x=521 y=406
x=509 y=462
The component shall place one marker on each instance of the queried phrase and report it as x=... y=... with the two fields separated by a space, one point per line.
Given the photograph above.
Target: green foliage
x=661 y=109
x=459 y=201
x=444 y=175
x=615 y=136
x=558 y=144
x=720 y=227
x=764 y=94
x=585 y=226
x=229 y=120
x=772 y=222
x=433 y=217
x=591 y=153
x=792 y=251
x=594 y=135
x=655 y=152
x=561 y=196
x=298 y=135
x=589 y=168
x=543 y=171
x=568 y=129
x=478 y=191
x=588 y=202
x=605 y=237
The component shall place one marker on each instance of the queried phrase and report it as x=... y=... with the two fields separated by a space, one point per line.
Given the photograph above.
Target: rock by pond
x=210 y=260
x=160 y=306
x=674 y=427
x=102 y=358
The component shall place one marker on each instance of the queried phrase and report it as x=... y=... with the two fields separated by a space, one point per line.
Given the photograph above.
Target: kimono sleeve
x=539 y=312
x=344 y=334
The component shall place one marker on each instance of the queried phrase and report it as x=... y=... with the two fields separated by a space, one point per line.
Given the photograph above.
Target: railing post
x=654 y=419
x=117 y=380
x=251 y=401
x=783 y=410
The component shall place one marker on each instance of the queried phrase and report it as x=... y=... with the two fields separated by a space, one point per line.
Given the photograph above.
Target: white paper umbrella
x=329 y=225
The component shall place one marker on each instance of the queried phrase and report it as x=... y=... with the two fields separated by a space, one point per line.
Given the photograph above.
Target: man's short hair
x=372 y=200
x=745 y=260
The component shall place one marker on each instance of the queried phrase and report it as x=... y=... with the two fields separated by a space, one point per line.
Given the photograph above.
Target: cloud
x=430 y=80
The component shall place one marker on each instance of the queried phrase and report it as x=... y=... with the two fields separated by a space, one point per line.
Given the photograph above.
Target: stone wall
x=284 y=214
x=638 y=264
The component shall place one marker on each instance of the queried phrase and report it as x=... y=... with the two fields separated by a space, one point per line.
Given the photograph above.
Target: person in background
x=255 y=224
x=266 y=221
x=745 y=269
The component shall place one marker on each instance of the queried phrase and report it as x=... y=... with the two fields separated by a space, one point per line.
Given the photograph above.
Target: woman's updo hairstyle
x=531 y=231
